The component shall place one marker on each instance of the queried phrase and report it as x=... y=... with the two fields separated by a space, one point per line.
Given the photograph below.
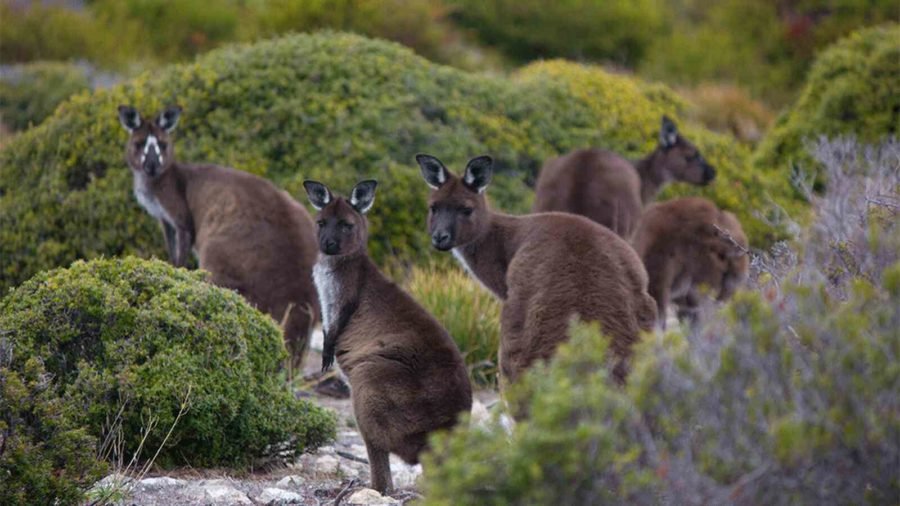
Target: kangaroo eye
x=346 y=226
x=138 y=144
x=320 y=223
x=692 y=157
x=432 y=208
x=466 y=211
x=162 y=146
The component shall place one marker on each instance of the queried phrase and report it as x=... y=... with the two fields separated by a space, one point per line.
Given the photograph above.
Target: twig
x=340 y=497
x=724 y=234
x=350 y=456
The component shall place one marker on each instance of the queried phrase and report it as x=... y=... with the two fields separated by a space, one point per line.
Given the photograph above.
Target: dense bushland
x=851 y=90
x=336 y=108
x=123 y=346
x=29 y=93
x=785 y=396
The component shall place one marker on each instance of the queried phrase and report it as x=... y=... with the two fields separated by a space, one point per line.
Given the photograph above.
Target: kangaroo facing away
x=611 y=190
x=546 y=268
x=686 y=244
x=249 y=235
x=407 y=377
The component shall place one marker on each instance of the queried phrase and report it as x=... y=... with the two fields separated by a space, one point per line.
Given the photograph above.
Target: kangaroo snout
x=330 y=247
x=442 y=240
x=709 y=173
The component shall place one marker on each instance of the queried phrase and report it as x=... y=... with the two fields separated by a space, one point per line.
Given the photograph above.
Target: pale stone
x=327 y=464
x=224 y=494
x=370 y=496
x=291 y=481
x=278 y=496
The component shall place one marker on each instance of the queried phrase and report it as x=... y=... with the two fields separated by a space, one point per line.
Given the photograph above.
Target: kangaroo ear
x=319 y=194
x=129 y=118
x=668 y=133
x=478 y=173
x=363 y=195
x=433 y=170
x=168 y=119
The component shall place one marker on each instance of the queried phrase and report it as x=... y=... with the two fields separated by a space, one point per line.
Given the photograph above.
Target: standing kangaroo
x=407 y=377
x=250 y=236
x=546 y=268
x=611 y=190
x=687 y=243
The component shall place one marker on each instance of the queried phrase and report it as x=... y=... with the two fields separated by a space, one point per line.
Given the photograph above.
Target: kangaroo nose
x=709 y=173
x=441 y=240
x=331 y=246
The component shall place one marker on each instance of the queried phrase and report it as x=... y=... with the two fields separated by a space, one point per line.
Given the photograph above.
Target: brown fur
x=611 y=190
x=407 y=376
x=251 y=236
x=546 y=268
x=683 y=251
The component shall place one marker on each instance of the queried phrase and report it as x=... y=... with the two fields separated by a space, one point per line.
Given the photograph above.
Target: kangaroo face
x=681 y=160
x=457 y=210
x=342 y=226
x=149 y=151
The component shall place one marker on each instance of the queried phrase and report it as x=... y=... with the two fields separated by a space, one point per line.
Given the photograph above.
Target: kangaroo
x=407 y=377
x=687 y=243
x=250 y=236
x=611 y=190
x=545 y=267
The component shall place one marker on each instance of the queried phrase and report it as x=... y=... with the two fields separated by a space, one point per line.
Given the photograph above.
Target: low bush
x=336 y=108
x=730 y=110
x=142 y=338
x=851 y=90
x=469 y=312
x=786 y=396
x=29 y=93
x=46 y=456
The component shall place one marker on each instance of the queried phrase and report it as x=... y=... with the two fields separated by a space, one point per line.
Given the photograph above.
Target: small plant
x=469 y=312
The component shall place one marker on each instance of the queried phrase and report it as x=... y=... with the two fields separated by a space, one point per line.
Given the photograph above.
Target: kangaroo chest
x=328 y=287
x=149 y=202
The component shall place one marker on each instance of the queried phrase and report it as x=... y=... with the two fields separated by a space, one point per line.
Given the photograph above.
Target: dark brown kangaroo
x=611 y=190
x=250 y=236
x=687 y=244
x=546 y=268
x=407 y=376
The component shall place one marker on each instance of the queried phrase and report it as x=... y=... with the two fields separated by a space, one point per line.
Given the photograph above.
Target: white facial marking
x=154 y=143
x=328 y=288
x=465 y=265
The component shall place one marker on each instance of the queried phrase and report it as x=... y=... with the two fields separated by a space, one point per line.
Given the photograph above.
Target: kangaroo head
x=678 y=159
x=150 y=151
x=342 y=226
x=457 y=210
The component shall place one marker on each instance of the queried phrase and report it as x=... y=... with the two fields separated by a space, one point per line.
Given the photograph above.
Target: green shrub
x=29 y=93
x=729 y=109
x=337 y=108
x=469 y=312
x=785 y=396
x=142 y=337
x=618 y=30
x=851 y=90
x=46 y=456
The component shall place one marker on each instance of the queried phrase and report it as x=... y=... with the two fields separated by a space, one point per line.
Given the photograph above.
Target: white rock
x=327 y=464
x=370 y=496
x=403 y=474
x=480 y=415
x=349 y=472
x=326 y=450
x=149 y=484
x=224 y=494
x=292 y=481
x=278 y=496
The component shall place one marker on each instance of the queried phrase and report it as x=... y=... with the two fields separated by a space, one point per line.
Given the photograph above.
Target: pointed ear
x=478 y=173
x=168 y=119
x=129 y=118
x=433 y=170
x=319 y=194
x=668 y=133
x=363 y=195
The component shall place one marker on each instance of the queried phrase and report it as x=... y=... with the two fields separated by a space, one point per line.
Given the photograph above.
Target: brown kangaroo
x=407 y=376
x=546 y=268
x=611 y=190
x=687 y=243
x=250 y=236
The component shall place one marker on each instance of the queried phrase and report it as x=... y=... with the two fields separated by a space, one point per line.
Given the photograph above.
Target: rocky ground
x=339 y=471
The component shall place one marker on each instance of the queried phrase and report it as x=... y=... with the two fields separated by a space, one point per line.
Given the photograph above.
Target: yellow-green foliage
x=729 y=109
x=626 y=113
x=336 y=108
x=851 y=90
x=142 y=337
x=469 y=312
x=29 y=93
